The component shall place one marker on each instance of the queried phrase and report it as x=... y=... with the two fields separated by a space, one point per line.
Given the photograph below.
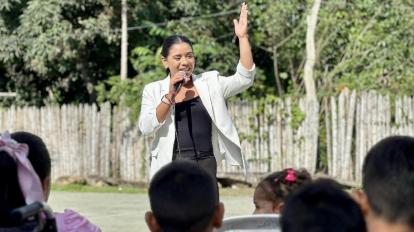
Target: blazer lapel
x=165 y=85
x=201 y=84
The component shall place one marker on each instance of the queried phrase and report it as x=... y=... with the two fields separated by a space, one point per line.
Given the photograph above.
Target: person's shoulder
x=209 y=74
x=70 y=220
x=155 y=84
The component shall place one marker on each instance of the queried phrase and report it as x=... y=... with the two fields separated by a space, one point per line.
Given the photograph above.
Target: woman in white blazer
x=188 y=112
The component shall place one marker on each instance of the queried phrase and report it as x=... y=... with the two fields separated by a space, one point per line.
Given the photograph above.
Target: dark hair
x=38 y=153
x=170 y=41
x=276 y=187
x=388 y=179
x=321 y=206
x=11 y=196
x=183 y=197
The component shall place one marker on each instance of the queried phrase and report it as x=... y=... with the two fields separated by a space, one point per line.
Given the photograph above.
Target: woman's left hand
x=240 y=26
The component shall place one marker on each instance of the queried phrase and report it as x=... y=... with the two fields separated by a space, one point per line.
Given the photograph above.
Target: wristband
x=165 y=100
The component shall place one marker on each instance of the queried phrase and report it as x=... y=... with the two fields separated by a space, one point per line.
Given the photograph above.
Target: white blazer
x=213 y=90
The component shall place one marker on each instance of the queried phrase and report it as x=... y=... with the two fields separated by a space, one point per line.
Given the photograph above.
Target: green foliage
x=363 y=45
x=123 y=93
x=147 y=62
x=7 y=4
x=372 y=49
x=60 y=51
x=280 y=26
x=297 y=116
x=56 y=51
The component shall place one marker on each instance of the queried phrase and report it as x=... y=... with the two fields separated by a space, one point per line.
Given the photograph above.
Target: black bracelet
x=165 y=97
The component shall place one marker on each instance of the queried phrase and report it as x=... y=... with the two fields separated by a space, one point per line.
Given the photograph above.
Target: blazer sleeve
x=237 y=83
x=148 y=122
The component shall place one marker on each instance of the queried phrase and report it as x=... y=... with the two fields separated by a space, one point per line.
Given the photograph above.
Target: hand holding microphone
x=176 y=82
x=179 y=84
x=179 y=79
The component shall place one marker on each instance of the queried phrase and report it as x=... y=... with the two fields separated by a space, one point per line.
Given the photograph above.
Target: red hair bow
x=291 y=176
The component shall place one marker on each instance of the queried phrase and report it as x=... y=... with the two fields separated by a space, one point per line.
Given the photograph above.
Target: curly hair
x=278 y=185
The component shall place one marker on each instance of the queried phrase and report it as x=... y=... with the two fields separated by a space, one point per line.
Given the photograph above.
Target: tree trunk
x=296 y=89
x=124 y=42
x=276 y=71
x=310 y=50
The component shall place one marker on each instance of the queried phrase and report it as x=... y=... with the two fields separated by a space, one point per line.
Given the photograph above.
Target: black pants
x=206 y=161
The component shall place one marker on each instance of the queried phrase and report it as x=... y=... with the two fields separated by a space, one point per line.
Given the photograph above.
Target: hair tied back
x=291 y=176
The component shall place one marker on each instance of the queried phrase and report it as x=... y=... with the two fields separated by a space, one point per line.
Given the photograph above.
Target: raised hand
x=240 y=26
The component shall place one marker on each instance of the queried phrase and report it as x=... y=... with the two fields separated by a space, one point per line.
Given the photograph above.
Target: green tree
x=360 y=44
x=371 y=47
x=280 y=29
x=57 y=50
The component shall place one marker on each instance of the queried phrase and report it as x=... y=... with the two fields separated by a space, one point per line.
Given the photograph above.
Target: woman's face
x=262 y=203
x=180 y=58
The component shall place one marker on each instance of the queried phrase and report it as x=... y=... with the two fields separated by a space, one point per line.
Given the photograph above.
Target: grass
x=238 y=191
x=98 y=189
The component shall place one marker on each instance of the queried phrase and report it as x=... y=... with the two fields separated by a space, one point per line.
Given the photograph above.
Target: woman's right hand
x=162 y=108
x=176 y=78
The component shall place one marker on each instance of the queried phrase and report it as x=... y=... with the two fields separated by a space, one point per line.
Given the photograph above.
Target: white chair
x=254 y=223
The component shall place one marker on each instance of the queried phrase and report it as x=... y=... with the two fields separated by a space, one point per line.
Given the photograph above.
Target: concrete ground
x=122 y=212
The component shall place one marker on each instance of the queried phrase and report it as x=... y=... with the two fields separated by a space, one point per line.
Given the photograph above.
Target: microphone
x=180 y=84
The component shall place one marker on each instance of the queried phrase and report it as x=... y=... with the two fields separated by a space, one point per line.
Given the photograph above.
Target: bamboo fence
x=87 y=140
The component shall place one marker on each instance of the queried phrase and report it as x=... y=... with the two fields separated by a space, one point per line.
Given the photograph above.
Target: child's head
x=271 y=192
x=11 y=196
x=184 y=197
x=38 y=152
x=388 y=180
x=38 y=156
x=321 y=206
x=24 y=172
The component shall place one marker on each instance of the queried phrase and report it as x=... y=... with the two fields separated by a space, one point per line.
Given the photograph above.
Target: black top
x=193 y=126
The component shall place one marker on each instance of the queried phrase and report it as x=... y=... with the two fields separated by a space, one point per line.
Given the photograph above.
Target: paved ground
x=121 y=212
